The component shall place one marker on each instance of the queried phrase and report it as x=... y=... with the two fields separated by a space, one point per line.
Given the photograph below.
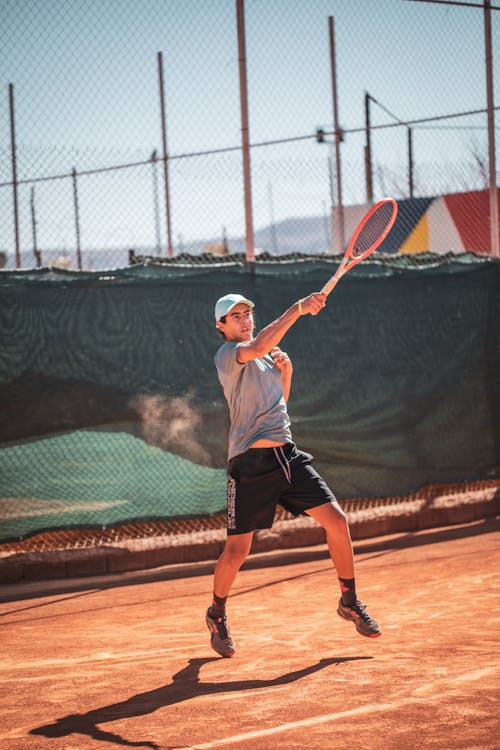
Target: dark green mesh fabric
x=111 y=410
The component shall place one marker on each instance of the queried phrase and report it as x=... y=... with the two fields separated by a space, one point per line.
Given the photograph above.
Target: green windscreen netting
x=111 y=410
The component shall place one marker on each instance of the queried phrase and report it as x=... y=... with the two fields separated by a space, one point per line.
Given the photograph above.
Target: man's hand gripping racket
x=370 y=233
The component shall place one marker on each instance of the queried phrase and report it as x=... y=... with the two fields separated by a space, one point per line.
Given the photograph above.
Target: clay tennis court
x=124 y=661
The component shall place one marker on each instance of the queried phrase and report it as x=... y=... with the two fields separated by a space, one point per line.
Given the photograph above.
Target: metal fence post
x=494 y=229
x=165 y=154
x=245 y=141
x=368 y=151
x=77 y=220
x=338 y=138
x=14 y=174
x=154 y=161
x=36 y=251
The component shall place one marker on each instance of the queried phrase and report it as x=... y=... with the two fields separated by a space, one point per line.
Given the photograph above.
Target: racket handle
x=330 y=285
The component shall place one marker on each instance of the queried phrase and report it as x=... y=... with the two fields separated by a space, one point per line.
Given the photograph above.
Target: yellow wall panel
x=418 y=240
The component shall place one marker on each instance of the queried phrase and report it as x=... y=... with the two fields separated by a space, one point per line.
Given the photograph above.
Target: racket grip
x=330 y=285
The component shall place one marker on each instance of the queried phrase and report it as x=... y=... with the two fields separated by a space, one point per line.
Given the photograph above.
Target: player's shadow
x=186 y=684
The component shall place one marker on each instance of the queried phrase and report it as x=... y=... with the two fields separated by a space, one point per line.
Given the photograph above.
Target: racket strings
x=374 y=228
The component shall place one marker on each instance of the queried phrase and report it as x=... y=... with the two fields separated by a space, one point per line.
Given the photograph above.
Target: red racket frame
x=350 y=259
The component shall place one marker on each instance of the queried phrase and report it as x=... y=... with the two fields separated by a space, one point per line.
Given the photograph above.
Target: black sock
x=348 y=589
x=218 y=606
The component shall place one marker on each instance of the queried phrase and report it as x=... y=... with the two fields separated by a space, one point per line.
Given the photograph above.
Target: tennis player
x=265 y=467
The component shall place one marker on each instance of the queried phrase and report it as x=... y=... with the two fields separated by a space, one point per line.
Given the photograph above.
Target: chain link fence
x=84 y=182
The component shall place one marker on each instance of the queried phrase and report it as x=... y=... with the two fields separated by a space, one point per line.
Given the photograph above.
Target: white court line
x=101 y=656
x=325 y=718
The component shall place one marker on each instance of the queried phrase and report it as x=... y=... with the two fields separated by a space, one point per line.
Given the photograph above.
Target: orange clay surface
x=125 y=661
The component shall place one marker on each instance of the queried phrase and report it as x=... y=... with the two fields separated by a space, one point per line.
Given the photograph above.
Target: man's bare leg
x=334 y=521
x=234 y=555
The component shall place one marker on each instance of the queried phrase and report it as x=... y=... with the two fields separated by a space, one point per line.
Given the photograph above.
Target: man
x=265 y=467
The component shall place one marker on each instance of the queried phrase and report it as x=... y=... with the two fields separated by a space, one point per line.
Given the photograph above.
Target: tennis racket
x=370 y=233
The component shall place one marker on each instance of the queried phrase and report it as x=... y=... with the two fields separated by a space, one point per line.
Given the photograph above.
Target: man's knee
x=337 y=519
x=331 y=517
x=235 y=551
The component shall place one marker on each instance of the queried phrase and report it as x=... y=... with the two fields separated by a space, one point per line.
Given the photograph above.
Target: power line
x=454 y=2
x=260 y=144
x=419 y=121
x=429 y=127
x=387 y=111
x=454 y=127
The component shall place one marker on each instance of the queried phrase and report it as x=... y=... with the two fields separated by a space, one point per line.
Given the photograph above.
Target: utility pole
x=494 y=228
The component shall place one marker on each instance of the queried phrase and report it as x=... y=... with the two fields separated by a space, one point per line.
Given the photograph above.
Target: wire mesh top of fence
x=92 y=166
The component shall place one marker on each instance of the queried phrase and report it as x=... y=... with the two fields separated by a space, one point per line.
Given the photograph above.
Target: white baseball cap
x=225 y=304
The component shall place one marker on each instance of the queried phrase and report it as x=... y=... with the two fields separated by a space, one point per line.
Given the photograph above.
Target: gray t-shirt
x=254 y=393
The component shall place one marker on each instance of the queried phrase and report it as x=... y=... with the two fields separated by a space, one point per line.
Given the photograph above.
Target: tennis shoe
x=357 y=614
x=220 y=637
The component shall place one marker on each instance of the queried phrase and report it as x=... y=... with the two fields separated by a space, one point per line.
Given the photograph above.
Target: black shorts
x=262 y=478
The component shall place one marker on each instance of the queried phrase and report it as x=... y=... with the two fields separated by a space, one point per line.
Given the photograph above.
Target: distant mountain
x=450 y=223
x=295 y=235
x=306 y=234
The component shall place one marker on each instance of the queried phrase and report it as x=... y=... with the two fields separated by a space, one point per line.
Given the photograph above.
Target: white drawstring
x=283 y=462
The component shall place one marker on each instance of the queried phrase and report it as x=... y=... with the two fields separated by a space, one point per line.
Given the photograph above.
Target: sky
x=85 y=78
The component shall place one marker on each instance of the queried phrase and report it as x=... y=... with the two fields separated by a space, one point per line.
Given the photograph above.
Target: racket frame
x=350 y=260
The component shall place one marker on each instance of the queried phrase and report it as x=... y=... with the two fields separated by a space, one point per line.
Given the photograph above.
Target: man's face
x=239 y=324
